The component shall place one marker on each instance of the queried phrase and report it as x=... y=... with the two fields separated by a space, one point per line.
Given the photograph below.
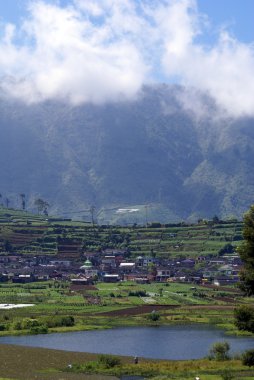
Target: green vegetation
x=244 y=318
x=219 y=351
x=182 y=370
x=153 y=316
x=246 y=251
x=248 y=358
x=57 y=308
x=45 y=364
x=21 y=232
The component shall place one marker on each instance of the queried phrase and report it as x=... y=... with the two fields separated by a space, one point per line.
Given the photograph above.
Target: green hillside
x=26 y=233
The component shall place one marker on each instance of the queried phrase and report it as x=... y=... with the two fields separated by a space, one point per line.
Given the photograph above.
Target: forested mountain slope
x=151 y=150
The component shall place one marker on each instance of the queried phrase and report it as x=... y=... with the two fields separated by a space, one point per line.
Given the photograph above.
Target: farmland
x=26 y=233
x=56 y=305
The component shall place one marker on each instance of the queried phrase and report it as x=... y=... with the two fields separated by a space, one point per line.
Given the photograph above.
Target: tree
x=219 y=351
x=7 y=202
x=244 y=318
x=154 y=316
x=23 y=200
x=42 y=206
x=246 y=252
x=215 y=219
x=248 y=358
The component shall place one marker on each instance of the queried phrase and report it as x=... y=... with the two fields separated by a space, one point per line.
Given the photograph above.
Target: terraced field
x=21 y=232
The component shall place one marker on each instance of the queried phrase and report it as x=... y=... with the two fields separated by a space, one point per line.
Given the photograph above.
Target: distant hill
x=127 y=155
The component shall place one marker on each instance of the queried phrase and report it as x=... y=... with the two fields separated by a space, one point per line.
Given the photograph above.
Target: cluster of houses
x=114 y=266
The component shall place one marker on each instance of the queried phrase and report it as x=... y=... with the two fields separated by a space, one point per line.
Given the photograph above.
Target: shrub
x=42 y=329
x=28 y=323
x=244 y=318
x=248 y=358
x=68 y=321
x=219 y=351
x=227 y=374
x=138 y=293
x=109 y=361
x=154 y=316
x=17 y=325
x=57 y=321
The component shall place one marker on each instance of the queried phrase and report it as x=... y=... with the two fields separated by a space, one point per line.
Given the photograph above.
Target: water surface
x=163 y=342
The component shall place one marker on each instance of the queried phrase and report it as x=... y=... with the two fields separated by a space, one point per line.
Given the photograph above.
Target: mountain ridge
x=151 y=150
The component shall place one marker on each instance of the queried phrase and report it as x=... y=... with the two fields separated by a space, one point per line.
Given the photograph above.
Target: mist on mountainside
x=182 y=162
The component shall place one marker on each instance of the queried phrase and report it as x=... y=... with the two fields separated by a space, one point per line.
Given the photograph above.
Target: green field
x=21 y=232
x=54 y=302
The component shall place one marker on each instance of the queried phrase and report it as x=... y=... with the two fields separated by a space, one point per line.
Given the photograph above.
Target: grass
x=45 y=364
x=159 y=370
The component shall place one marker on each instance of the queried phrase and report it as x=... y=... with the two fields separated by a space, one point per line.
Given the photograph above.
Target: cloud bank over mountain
x=103 y=51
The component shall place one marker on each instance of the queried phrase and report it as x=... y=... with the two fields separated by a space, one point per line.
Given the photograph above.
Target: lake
x=164 y=342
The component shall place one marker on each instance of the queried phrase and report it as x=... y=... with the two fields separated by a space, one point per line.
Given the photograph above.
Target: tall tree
x=42 y=206
x=246 y=251
x=23 y=200
x=7 y=202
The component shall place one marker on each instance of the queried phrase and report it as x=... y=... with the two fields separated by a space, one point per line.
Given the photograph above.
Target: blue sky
x=236 y=14
x=56 y=51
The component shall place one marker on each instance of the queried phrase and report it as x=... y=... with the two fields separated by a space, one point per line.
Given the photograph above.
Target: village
x=115 y=266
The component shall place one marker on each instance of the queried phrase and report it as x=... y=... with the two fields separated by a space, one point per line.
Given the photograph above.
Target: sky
x=105 y=50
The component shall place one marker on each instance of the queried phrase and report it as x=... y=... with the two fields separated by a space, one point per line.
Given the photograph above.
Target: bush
x=227 y=374
x=154 y=316
x=28 y=323
x=56 y=321
x=109 y=361
x=42 y=329
x=17 y=325
x=138 y=293
x=248 y=358
x=219 y=351
x=244 y=318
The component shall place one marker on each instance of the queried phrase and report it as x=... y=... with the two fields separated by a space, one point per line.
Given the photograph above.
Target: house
x=23 y=278
x=61 y=263
x=188 y=263
x=107 y=277
x=81 y=281
x=126 y=267
x=224 y=281
x=108 y=262
x=163 y=274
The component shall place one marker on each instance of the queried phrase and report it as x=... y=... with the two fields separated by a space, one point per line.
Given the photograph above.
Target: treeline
x=38 y=325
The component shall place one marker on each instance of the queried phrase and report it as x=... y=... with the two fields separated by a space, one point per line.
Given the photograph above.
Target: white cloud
x=104 y=50
x=69 y=57
x=224 y=70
